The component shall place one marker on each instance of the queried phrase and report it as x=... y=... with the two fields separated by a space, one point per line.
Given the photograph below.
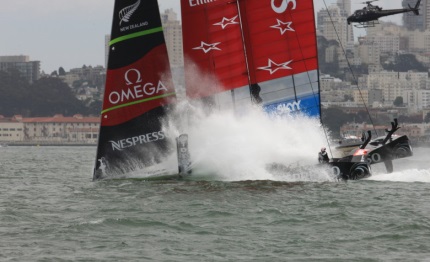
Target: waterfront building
x=58 y=129
x=11 y=130
x=412 y=130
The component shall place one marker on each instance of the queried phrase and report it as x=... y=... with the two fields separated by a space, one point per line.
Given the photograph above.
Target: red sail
x=265 y=51
x=137 y=88
x=213 y=44
x=281 y=37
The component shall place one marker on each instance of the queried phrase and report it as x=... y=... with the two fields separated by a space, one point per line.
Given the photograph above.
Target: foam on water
x=229 y=147
x=410 y=169
x=412 y=175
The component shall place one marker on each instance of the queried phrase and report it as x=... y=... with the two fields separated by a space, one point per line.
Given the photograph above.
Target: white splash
x=411 y=169
x=413 y=175
x=233 y=148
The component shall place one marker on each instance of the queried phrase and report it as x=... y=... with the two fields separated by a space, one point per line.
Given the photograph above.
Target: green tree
x=45 y=97
x=77 y=83
x=95 y=108
x=404 y=63
x=13 y=88
x=61 y=71
x=427 y=118
x=51 y=96
x=348 y=98
x=333 y=119
x=398 y=101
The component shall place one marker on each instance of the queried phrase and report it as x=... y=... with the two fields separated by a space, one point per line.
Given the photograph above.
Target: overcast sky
x=70 y=33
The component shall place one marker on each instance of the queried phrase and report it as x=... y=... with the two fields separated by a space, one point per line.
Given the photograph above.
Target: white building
x=173 y=34
x=107 y=39
x=172 y=30
x=395 y=84
x=56 y=129
x=418 y=99
x=345 y=5
x=419 y=41
x=11 y=130
x=336 y=28
x=369 y=52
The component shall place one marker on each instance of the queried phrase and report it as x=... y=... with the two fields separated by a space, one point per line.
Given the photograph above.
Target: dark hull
x=397 y=148
x=346 y=168
x=351 y=168
x=384 y=153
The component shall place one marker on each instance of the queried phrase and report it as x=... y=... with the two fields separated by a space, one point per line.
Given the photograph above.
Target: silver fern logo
x=126 y=13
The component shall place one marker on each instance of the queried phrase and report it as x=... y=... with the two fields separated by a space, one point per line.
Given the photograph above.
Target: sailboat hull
x=399 y=147
x=350 y=168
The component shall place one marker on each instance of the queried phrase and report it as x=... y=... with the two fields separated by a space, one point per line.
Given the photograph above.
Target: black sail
x=138 y=92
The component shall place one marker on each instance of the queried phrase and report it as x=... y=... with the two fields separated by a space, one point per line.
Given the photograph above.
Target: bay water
x=51 y=210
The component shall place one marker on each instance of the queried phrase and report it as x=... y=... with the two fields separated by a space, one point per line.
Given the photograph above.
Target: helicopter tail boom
x=415 y=9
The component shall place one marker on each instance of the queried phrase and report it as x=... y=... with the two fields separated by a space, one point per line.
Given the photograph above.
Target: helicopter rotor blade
x=368 y=2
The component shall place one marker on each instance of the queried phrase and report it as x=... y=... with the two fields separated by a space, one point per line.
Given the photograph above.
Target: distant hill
x=45 y=97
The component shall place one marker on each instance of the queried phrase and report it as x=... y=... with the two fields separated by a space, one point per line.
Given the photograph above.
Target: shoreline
x=47 y=144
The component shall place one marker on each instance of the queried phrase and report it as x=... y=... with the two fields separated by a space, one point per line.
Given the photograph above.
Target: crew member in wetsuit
x=255 y=93
x=323 y=156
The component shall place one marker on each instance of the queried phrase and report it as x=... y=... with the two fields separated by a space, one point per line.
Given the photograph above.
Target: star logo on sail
x=272 y=67
x=207 y=47
x=283 y=26
x=226 y=21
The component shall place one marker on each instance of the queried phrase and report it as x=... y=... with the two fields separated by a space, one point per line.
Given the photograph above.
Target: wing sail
x=261 y=52
x=138 y=92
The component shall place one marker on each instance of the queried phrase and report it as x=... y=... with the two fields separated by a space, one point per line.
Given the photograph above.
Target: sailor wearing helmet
x=323 y=156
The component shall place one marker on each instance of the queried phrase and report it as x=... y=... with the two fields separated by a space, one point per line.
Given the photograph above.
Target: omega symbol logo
x=132 y=74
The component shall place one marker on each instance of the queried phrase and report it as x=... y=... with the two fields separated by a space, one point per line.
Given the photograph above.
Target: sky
x=70 y=33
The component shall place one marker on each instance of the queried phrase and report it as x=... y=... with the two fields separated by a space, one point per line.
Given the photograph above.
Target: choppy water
x=52 y=211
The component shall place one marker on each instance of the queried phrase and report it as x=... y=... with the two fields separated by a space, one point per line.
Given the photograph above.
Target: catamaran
x=261 y=53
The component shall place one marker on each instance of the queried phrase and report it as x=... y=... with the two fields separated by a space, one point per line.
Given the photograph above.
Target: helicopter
x=368 y=16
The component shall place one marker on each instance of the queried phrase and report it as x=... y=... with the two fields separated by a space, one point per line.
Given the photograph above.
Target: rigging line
x=245 y=50
x=311 y=83
x=349 y=66
x=306 y=67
